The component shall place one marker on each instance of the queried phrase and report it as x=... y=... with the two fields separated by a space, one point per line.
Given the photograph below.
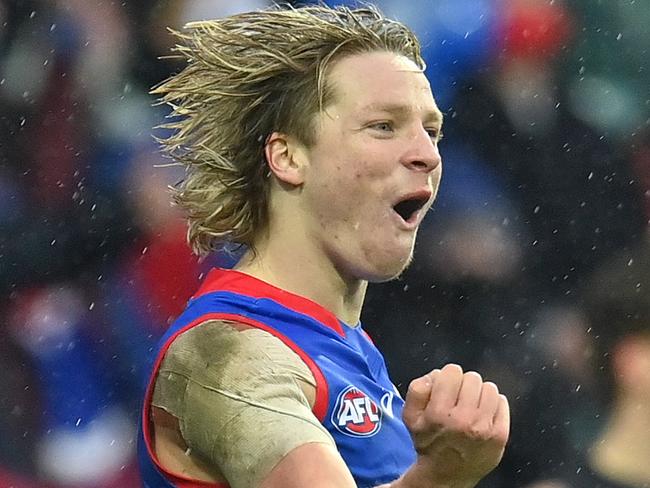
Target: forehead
x=379 y=80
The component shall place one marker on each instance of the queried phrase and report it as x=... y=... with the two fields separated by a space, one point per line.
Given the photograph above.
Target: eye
x=382 y=126
x=434 y=133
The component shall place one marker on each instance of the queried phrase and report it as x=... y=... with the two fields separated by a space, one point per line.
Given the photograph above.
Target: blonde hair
x=247 y=76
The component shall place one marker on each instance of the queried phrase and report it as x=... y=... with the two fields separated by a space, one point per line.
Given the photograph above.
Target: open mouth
x=408 y=208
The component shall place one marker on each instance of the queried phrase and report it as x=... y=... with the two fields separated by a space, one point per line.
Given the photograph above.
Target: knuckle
x=475 y=375
x=413 y=385
x=418 y=387
x=481 y=431
x=453 y=369
x=491 y=386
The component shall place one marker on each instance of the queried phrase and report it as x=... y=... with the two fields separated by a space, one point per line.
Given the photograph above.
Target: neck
x=623 y=449
x=299 y=270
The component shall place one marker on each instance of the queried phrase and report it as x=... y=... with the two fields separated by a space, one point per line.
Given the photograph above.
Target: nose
x=422 y=154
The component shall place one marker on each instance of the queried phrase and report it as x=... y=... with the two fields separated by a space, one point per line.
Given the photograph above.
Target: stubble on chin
x=394 y=273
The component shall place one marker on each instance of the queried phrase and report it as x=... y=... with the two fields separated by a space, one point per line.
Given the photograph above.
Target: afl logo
x=355 y=414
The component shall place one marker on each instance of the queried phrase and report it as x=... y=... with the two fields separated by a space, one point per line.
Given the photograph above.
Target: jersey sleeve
x=240 y=399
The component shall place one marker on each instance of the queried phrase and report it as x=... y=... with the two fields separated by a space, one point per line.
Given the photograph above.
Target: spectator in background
x=617 y=303
x=155 y=275
x=577 y=194
x=86 y=436
x=58 y=233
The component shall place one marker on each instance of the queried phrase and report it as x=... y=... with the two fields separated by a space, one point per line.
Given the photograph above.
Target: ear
x=286 y=158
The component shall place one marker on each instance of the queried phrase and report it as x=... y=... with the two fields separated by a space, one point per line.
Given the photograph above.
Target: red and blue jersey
x=355 y=399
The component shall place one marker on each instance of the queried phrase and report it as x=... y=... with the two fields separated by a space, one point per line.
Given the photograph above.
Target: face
x=374 y=169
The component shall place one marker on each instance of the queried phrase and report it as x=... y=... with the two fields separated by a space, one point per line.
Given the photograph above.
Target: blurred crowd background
x=546 y=179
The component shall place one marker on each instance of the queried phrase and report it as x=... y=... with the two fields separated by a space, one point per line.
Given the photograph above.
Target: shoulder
x=229 y=390
x=221 y=353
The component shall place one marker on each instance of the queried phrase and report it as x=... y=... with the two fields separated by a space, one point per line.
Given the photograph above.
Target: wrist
x=423 y=475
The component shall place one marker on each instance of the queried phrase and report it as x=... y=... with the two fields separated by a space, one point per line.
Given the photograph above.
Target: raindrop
x=618 y=37
x=78 y=422
x=536 y=210
x=630 y=262
x=33 y=14
x=591 y=175
x=91 y=306
x=52 y=27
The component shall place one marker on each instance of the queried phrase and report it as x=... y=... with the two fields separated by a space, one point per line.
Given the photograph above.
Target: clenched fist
x=459 y=424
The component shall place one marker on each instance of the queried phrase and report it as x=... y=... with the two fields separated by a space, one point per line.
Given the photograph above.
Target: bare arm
x=313 y=465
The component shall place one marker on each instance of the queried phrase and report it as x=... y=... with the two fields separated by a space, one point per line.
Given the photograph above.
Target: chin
x=389 y=269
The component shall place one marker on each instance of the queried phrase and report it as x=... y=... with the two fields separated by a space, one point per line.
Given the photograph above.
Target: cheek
x=350 y=182
x=436 y=177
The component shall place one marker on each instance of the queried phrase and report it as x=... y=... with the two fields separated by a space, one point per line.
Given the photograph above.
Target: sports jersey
x=355 y=399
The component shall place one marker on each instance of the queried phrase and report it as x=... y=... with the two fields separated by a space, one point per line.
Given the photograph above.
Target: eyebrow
x=403 y=110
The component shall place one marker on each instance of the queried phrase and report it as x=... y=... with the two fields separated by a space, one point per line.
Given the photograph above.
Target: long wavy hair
x=247 y=76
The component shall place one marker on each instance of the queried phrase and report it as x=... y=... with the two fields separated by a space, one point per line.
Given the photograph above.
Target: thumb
x=417 y=399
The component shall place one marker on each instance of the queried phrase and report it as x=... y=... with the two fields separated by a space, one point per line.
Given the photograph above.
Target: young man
x=311 y=137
